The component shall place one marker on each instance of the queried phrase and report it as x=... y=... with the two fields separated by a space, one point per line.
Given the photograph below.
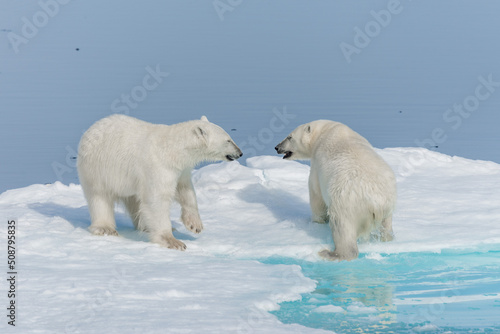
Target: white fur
x=350 y=185
x=146 y=166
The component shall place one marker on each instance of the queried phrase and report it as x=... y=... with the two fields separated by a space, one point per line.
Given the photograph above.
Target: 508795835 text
x=11 y=272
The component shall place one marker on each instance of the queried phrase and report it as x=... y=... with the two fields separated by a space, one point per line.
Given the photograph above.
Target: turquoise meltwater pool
x=449 y=292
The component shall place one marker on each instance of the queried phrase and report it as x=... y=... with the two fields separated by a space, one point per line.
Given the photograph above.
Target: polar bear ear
x=201 y=134
x=204 y=118
x=308 y=129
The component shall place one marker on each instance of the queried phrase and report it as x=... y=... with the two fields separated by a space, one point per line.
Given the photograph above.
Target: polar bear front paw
x=173 y=243
x=170 y=242
x=192 y=222
x=100 y=230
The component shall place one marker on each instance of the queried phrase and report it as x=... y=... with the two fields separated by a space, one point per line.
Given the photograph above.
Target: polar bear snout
x=281 y=150
x=236 y=155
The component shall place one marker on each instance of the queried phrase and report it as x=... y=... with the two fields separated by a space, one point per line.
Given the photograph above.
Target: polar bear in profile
x=350 y=185
x=146 y=166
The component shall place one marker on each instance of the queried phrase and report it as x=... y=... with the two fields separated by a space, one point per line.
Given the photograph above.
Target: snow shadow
x=284 y=206
x=79 y=218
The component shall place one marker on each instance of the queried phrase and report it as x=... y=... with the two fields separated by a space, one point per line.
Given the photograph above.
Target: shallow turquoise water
x=453 y=292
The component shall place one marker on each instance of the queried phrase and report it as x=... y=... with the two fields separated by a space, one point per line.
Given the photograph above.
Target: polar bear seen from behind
x=146 y=166
x=350 y=185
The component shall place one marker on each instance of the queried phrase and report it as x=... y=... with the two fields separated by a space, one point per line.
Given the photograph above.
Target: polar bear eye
x=289 y=138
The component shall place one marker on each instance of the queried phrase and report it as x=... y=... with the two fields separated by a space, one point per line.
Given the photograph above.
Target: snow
x=73 y=281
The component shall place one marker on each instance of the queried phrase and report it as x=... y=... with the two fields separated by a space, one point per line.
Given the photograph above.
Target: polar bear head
x=298 y=144
x=214 y=142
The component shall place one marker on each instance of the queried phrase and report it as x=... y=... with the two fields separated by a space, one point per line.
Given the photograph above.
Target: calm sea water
x=411 y=62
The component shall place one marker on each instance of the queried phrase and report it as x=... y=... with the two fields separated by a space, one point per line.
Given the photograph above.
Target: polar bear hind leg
x=101 y=210
x=345 y=239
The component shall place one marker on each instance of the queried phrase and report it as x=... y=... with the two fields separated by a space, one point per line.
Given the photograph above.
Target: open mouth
x=230 y=158
x=279 y=150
